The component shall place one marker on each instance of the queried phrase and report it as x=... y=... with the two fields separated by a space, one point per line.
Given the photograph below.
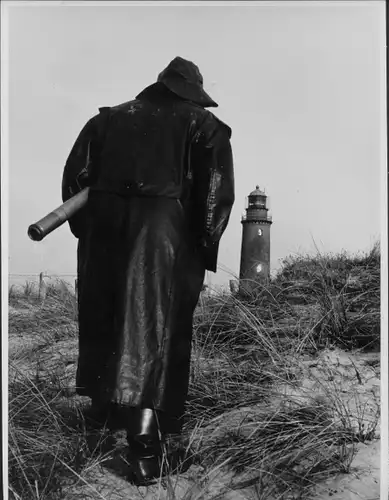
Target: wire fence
x=20 y=279
x=59 y=275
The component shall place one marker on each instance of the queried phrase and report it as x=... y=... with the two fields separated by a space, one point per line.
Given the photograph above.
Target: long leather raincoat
x=161 y=180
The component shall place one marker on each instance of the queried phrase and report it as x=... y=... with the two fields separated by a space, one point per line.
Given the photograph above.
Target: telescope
x=57 y=217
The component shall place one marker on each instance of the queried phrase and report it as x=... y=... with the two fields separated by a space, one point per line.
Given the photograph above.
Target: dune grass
x=241 y=424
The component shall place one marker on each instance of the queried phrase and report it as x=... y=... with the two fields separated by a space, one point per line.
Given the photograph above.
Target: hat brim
x=189 y=91
x=186 y=91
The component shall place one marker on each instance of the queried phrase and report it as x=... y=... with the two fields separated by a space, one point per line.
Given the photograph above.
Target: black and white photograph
x=194 y=250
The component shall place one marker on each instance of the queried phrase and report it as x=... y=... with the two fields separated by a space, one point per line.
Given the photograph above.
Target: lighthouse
x=255 y=252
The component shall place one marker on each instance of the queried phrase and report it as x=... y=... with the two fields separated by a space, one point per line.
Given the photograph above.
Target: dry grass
x=240 y=423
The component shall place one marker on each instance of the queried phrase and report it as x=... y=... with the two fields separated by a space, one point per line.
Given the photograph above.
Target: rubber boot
x=145 y=448
x=97 y=415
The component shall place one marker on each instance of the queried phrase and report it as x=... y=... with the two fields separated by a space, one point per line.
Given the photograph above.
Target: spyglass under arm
x=57 y=217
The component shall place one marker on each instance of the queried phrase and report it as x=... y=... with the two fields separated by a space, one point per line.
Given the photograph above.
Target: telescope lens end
x=35 y=233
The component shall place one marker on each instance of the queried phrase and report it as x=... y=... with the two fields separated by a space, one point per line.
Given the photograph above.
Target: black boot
x=148 y=462
x=97 y=415
x=145 y=462
x=145 y=449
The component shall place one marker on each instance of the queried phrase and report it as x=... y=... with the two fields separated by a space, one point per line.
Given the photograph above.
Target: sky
x=301 y=84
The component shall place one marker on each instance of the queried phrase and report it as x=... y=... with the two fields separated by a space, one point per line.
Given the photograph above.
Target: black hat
x=184 y=79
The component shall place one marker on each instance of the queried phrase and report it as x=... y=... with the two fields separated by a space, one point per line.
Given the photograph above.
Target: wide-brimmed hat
x=183 y=78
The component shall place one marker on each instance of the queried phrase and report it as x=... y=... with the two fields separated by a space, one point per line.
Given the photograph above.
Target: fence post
x=234 y=286
x=42 y=287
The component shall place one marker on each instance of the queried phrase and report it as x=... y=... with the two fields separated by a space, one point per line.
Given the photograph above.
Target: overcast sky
x=301 y=84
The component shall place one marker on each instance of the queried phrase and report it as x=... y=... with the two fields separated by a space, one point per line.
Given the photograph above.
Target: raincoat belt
x=138 y=189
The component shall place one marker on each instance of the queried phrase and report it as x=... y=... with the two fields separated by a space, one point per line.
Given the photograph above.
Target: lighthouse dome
x=257 y=192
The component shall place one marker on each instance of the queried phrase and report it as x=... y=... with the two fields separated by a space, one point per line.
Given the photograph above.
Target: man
x=161 y=180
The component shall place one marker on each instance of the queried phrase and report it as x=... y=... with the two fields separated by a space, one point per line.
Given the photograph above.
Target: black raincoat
x=160 y=172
